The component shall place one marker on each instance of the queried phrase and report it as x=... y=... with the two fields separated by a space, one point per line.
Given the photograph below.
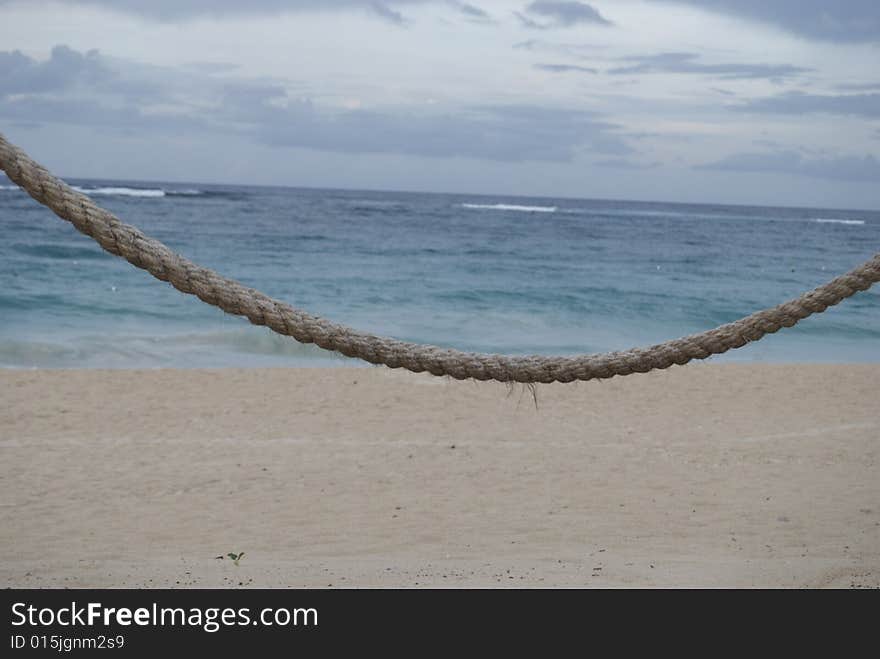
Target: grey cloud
x=387 y=14
x=184 y=9
x=211 y=67
x=529 y=23
x=177 y=10
x=560 y=13
x=564 y=68
x=579 y=51
x=829 y=20
x=504 y=133
x=68 y=70
x=530 y=44
x=471 y=11
x=512 y=133
x=264 y=112
x=689 y=63
x=860 y=105
x=622 y=163
x=772 y=144
x=859 y=87
x=645 y=135
x=89 y=112
x=847 y=168
x=86 y=89
x=64 y=68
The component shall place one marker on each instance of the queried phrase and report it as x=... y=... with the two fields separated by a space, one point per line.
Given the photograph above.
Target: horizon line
x=470 y=194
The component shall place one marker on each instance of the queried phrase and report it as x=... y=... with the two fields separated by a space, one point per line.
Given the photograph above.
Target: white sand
x=707 y=475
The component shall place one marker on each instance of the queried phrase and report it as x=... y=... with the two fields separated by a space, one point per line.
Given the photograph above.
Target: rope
x=234 y=298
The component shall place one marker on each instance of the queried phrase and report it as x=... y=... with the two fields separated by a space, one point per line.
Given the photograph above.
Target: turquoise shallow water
x=500 y=274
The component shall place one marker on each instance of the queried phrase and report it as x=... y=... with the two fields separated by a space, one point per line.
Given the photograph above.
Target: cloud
x=847 y=168
x=64 y=68
x=559 y=13
x=623 y=163
x=501 y=133
x=69 y=71
x=89 y=89
x=827 y=20
x=512 y=133
x=89 y=112
x=471 y=11
x=529 y=23
x=175 y=10
x=578 y=51
x=858 y=87
x=211 y=67
x=387 y=14
x=564 y=68
x=688 y=63
x=183 y=10
x=859 y=105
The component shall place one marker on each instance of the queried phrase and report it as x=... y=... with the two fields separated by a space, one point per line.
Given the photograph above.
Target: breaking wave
x=136 y=192
x=120 y=191
x=831 y=220
x=512 y=207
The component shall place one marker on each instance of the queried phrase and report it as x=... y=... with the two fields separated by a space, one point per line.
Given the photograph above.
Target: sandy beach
x=706 y=475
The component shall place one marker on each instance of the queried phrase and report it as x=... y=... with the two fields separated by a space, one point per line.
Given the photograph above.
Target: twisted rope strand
x=232 y=297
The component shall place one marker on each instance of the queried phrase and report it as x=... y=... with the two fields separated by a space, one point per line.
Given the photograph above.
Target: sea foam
x=512 y=207
x=831 y=220
x=122 y=192
x=117 y=191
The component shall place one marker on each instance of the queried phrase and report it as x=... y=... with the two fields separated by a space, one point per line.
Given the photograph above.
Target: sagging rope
x=232 y=297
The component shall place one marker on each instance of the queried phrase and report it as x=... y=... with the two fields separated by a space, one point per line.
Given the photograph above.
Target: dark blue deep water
x=500 y=274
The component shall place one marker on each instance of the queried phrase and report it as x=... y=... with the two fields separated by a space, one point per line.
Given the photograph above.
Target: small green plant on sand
x=235 y=557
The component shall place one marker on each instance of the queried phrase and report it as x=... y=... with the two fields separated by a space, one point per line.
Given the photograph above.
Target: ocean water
x=493 y=273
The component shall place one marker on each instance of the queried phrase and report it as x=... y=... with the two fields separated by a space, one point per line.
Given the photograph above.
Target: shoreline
x=353 y=363
x=735 y=474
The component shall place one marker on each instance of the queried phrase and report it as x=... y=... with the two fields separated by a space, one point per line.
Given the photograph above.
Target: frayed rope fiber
x=151 y=255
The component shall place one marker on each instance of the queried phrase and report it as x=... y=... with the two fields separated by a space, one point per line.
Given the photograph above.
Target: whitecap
x=512 y=207
x=832 y=220
x=121 y=192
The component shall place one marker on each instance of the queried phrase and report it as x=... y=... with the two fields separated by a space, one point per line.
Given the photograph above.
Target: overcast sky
x=737 y=101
